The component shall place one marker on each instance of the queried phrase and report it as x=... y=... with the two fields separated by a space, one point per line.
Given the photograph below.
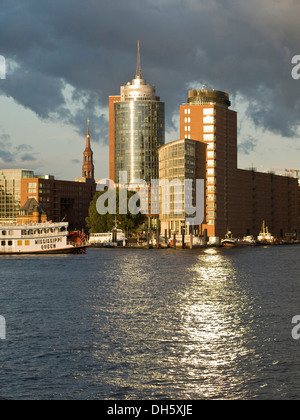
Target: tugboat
x=265 y=237
x=229 y=240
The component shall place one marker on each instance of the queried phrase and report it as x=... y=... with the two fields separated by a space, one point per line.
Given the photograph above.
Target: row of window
x=11 y=243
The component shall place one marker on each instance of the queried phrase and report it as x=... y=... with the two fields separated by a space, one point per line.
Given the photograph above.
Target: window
x=211 y=163
x=210 y=171
x=208 y=120
x=211 y=155
x=211 y=146
x=209 y=128
x=209 y=137
x=208 y=111
x=20 y=243
x=32 y=188
x=211 y=206
x=27 y=243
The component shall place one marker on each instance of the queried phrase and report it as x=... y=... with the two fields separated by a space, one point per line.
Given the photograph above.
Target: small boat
x=265 y=237
x=229 y=240
x=248 y=241
x=108 y=239
x=40 y=238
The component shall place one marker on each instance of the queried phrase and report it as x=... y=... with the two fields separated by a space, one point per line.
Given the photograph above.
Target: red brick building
x=236 y=199
x=61 y=200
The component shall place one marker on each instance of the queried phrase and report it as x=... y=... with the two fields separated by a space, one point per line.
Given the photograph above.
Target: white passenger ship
x=40 y=238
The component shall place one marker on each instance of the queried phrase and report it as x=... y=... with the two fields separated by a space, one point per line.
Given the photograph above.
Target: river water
x=151 y=324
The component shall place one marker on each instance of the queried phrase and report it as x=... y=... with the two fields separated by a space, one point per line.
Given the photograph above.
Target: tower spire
x=88 y=164
x=88 y=127
x=138 y=67
x=88 y=138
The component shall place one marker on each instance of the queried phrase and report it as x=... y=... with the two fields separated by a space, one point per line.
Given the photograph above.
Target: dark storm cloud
x=241 y=47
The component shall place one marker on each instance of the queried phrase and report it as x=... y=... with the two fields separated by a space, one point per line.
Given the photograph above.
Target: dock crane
x=294 y=173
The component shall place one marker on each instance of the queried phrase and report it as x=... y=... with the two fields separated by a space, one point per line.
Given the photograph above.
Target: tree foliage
x=98 y=223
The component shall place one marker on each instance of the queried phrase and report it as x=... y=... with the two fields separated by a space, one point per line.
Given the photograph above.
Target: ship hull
x=72 y=250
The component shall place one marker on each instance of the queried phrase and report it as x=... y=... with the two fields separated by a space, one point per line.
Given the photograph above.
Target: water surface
x=151 y=324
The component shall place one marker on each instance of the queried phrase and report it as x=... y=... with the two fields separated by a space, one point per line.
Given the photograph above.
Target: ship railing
x=78 y=245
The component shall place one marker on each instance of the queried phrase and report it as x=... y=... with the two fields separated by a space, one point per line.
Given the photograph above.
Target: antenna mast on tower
x=138 y=68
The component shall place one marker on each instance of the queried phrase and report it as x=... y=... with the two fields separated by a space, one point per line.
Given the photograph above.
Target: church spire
x=138 y=67
x=88 y=165
x=88 y=139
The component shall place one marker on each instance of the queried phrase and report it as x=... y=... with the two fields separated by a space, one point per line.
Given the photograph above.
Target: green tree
x=98 y=223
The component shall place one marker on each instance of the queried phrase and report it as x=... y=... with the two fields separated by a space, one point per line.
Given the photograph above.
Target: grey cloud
x=24 y=148
x=248 y=145
x=28 y=158
x=6 y=156
x=13 y=155
x=240 y=47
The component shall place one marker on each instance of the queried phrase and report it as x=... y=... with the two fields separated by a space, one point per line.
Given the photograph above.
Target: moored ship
x=40 y=238
x=265 y=237
x=229 y=240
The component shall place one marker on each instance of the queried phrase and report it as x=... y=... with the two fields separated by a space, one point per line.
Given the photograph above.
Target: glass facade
x=177 y=160
x=139 y=133
x=10 y=192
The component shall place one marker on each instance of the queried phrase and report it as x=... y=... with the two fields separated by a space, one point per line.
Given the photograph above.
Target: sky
x=64 y=58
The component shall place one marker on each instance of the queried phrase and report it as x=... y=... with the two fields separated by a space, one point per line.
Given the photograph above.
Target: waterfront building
x=32 y=212
x=10 y=192
x=62 y=200
x=206 y=117
x=180 y=160
x=137 y=130
x=236 y=199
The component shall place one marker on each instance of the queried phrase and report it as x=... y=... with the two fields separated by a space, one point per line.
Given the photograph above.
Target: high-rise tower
x=88 y=165
x=137 y=130
x=206 y=117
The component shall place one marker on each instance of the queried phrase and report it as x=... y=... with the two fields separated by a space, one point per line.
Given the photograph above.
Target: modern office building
x=180 y=160
x=236 y=199
x=137 y=130
x=10 y=192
